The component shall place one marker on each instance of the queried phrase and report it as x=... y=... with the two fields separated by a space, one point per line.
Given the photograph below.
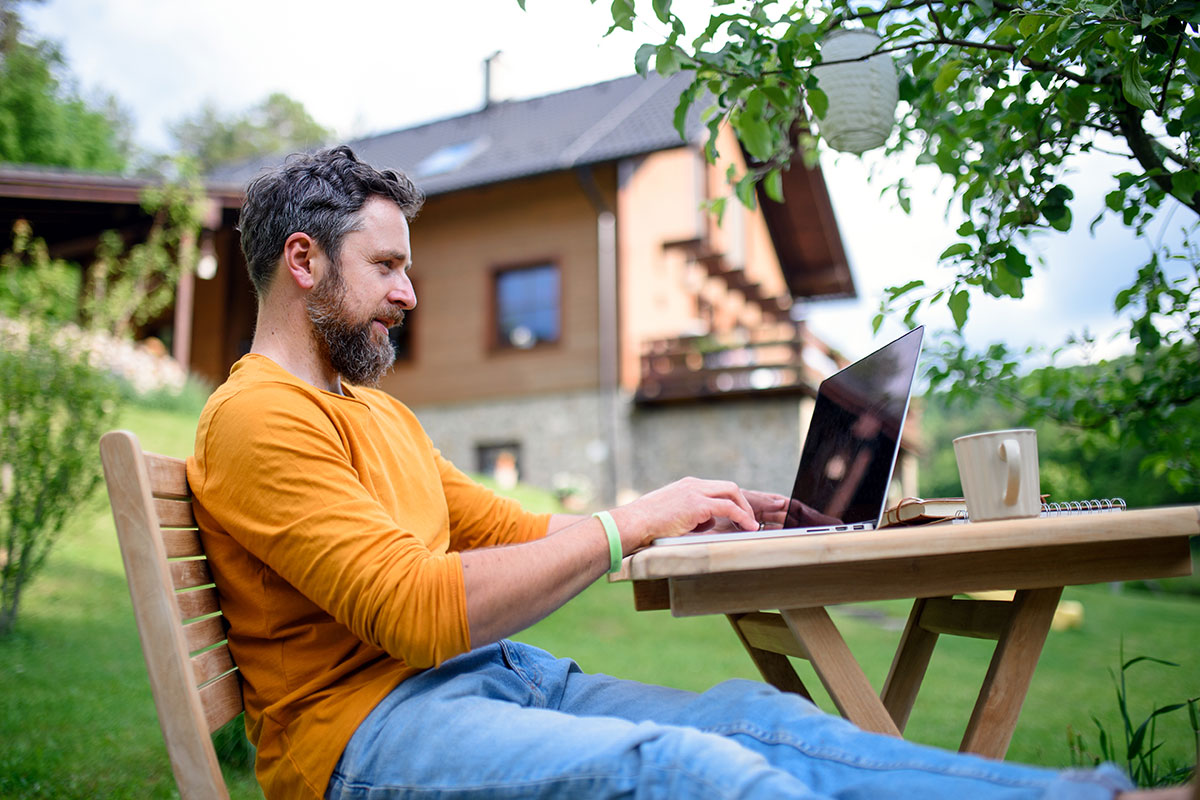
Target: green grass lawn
x=77 y=720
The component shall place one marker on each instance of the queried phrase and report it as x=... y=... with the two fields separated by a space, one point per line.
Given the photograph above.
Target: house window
x=527 y=306
x=501 y=461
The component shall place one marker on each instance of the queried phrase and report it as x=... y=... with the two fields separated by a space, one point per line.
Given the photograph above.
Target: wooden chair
x=194 y=681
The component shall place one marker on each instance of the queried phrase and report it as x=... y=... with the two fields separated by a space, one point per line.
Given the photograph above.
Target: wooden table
x=802 y=575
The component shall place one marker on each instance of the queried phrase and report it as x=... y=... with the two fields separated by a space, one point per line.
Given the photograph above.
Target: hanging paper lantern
x=862 y=94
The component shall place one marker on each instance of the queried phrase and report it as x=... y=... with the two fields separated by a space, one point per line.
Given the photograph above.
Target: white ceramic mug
x=999 y=474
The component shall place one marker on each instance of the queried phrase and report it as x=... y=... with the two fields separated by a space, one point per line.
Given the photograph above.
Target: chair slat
x=190 y=574
x=187 y=715
x=204 y=633
x=197 y=603
x=222 y=700
x=168 y=476
x=210 y=664
x=182 y=543
x=174 y=513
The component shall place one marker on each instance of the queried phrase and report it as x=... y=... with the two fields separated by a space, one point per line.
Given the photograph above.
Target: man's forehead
x=382 y=226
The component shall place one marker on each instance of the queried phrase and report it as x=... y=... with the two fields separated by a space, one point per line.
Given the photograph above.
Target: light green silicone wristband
x=614 y=540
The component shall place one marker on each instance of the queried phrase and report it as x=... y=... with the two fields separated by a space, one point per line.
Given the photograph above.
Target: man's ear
x=300 y=253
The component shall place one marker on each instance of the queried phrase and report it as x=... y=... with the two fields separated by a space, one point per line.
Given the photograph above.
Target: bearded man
x=369 y=584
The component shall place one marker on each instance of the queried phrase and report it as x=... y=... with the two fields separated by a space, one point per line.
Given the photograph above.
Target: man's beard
x=353 y=348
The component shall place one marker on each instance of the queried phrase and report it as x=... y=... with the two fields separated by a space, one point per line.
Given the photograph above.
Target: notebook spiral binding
x=1069 y=508
x=1083 y=507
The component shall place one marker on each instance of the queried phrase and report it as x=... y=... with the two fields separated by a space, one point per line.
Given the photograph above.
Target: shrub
x=54 y=405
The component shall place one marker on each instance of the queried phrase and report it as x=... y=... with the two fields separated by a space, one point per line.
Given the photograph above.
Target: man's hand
x=769 y=509
x=691 y=505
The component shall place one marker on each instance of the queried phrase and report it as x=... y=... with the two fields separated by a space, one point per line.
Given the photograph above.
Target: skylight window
x=451 y=157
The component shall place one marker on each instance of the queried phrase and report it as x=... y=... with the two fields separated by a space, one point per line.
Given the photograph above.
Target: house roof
x=69 y=208
x=521 y=138
x=593 y=124
x=504 y=141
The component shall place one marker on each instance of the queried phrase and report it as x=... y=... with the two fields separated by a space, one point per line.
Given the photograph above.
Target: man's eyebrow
x=391 y=255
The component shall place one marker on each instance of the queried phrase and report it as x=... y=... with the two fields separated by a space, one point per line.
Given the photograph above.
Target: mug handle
x=1010 y=451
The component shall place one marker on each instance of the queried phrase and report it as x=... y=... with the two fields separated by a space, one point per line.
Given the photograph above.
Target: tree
x=275 y=125
x=43 y=120
x=1000 y=97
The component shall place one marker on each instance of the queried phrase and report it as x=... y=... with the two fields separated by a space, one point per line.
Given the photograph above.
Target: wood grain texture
x=186 y=715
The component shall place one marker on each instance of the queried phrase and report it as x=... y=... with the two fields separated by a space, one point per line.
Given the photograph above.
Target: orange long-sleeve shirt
x=332 y=526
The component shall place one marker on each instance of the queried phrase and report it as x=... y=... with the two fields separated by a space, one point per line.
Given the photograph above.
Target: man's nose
x=403 y=294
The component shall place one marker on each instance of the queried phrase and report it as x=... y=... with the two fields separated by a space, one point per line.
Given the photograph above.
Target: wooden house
x=583 y=322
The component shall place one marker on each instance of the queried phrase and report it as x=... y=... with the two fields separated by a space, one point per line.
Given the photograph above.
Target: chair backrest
x=194 y=681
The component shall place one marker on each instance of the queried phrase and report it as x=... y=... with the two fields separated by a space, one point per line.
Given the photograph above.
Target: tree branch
x=1162 y=100
x=1141 y=144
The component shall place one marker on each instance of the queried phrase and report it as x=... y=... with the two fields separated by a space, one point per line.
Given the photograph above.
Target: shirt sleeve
x=481 y=518
x=278 y=478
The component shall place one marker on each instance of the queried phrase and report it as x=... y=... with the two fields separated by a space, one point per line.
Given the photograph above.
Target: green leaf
x=641 y=61
x=745 y=191
x=773 y=184
x=1134 y=86
x=899 y=291
x=1031 y=24
x=662 y=9
x=1185 y=183
x=947 y=75
x=957 y=249
x=960 y=306
x=1062 y=220
x=666 y=60
x=717 y=207
x=622 y=14
x=1008 y=283
x=752 y=130
x=818 y=101
x=1016 y=262
x=681 y=110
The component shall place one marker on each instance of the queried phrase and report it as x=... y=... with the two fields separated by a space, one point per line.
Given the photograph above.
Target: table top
x=915 y=542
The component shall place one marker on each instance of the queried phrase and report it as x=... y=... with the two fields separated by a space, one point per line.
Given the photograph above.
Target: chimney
x=494 y=90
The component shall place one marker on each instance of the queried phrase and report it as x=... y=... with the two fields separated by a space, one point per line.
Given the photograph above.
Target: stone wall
x=753 y=442
x=563 y=438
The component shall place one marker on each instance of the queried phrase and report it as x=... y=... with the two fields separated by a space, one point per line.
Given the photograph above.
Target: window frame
x=497 y=343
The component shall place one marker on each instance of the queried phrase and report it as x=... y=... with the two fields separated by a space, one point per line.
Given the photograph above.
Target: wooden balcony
x=780 y=358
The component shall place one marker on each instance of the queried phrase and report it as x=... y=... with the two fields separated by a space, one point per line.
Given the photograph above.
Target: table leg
x=840 y=673
x=908 y=667
x=1011 y=670
x=774 y=667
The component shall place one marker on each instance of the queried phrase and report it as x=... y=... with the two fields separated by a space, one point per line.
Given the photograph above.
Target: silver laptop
x=850 y=450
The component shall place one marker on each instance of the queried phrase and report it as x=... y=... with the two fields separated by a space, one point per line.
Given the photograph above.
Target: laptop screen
x=854 y=435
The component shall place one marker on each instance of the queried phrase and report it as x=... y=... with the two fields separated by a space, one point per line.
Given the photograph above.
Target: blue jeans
x=512 y=721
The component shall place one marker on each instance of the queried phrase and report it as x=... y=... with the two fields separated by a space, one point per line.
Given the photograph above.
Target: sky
x=362 y=67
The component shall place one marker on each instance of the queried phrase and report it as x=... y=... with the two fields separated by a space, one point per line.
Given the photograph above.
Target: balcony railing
x=780 y=358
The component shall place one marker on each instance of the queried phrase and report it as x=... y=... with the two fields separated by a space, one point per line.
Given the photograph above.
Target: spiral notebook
x=918 y=511
x=1068 y=508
